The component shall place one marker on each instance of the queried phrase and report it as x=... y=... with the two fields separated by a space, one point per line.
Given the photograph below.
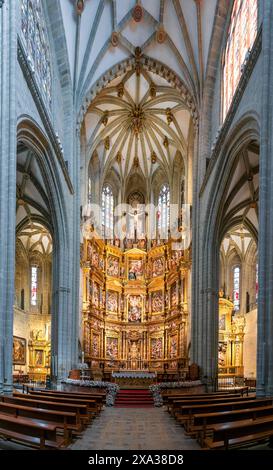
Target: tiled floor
x=129 y=428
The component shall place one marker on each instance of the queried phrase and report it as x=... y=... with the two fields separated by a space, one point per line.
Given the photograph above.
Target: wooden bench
x=90 y=392
x=240 y=433
x=99 y=399
x=177 y=404
x=80 y=410
x=64 y=420
x=202 y=423
x=92 y=408
x=185 y=413
x=41 y=435
x=201 y=398
x=180 y=394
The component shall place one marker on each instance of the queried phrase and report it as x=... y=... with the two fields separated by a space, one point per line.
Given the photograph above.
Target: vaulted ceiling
x=102 y=33
x=238 y=240
x=35 y=238
x=32 y=204
x=138 y=123
x=242 y=198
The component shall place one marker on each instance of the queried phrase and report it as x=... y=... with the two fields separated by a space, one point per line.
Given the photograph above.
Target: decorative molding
x=79 y=6
x=43 y=112
x=247 y=69
x=137 y=13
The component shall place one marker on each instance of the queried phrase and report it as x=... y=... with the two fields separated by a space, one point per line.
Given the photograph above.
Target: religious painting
x=19 y=350
x=173 y=346
x=112 y=348
x=96 y=294
x=158 y=266
x=222 y=322
x=222 y=351
x=39 y=358
x=134 y=308
x=89 y=251
x=113 y=266
x=112 y=301
x=95 y=259
x=87 y=338
x=157 y=301
x=156 y=348
x=95 y=345
x=174 y=260
x=174 y=297
x=135 y=269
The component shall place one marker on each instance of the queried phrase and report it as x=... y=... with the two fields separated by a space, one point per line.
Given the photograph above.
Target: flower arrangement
x=156 y=389
x=111 y=388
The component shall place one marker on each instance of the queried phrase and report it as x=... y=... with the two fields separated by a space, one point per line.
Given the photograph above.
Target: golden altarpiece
x=231 y=339
x=135 y=312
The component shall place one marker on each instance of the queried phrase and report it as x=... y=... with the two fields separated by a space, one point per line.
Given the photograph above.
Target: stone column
x=8 y=57
x=265 y=299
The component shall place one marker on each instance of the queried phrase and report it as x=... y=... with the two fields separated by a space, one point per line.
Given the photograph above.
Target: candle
x=82 y=357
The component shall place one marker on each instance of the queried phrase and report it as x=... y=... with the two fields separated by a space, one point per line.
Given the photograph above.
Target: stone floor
x=129 y=428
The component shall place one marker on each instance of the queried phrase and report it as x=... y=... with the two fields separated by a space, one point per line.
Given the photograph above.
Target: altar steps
x=134 y=398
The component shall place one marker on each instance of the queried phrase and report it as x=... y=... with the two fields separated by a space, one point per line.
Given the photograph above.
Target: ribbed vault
x=138 y=123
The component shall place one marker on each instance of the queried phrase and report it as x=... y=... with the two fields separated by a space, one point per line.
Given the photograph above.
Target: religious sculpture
x=135 y=270
x=157 y=301
x=112 y=348
x=158 y=267
x=112 y=301
x=113 y=266
x=134 y=309
x=156 y=352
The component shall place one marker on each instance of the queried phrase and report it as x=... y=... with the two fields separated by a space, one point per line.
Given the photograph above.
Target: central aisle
x=130 y=428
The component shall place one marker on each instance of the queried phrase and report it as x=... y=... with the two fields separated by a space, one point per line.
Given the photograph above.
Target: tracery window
x=107 y=208
x=241 y=36
x=163 y=221
x=236 y=287
x=34 y=285
x=36 y=42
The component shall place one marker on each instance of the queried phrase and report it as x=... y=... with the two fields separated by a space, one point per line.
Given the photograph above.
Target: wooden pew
x=92 y=392
x=185 y=413
x=80 y=410
x=202 y=423
x=94 y=397
x=41 y=435
x=64 y=420
x=240 y=433
x=177 y=404
x=92 y=408
x=203 y=398
x=170 y=395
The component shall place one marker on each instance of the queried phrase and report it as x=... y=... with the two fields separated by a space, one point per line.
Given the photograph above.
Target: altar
x=134 y=378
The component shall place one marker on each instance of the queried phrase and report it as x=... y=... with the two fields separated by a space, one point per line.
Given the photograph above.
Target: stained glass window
x=236 y=288
x=107 y=208
x=34 y=285
x=241 y=35
x=37 y=44
x=163 y=212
